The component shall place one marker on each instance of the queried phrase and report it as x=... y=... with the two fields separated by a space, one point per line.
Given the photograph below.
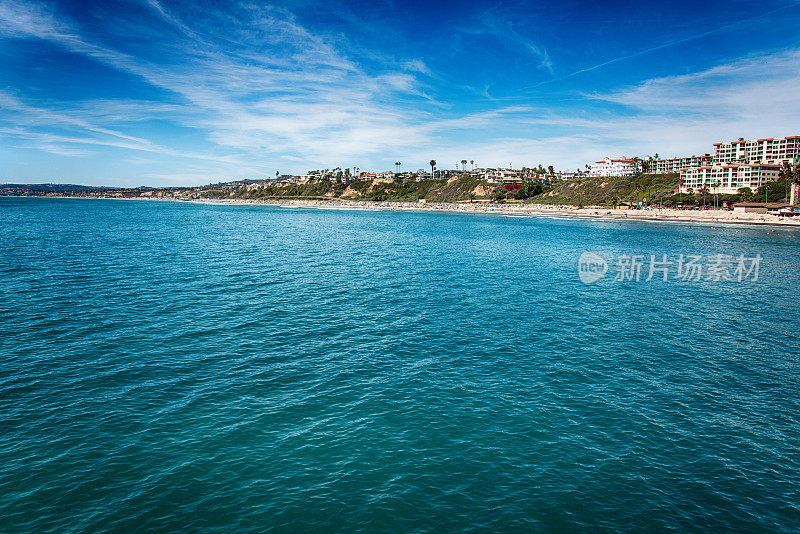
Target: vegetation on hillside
x=647 y=189
x=456 y=189
x=609 y=191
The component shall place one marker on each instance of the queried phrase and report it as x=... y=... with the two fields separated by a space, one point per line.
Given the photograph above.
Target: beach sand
x=704 y=217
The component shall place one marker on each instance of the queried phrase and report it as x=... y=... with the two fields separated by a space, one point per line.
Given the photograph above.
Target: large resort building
x=727 y=178
x=768 y=151
x=741 y=163
x=665 y=166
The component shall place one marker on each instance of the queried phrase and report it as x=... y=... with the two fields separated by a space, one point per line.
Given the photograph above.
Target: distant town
x=741 y=171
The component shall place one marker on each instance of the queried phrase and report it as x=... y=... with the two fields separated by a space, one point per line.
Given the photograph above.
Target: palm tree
x=794 y=178
x=637 y=165
x=464 y=164
x=471 y=162
x=790 y=173
x=796 y=174
x=716 y=185
x=432 y=164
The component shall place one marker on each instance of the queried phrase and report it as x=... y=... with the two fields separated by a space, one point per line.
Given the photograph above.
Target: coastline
x=705 y=217
x=653 y=215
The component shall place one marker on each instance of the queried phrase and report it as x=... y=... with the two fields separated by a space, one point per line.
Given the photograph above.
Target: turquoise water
x=185 y=367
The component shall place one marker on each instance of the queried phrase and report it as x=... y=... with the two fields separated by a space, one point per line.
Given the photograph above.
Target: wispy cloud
x=498 y=26
x=673 y=116
x=11 y=103
x=156 y=6
x=299 y=97
x=668 y=44
x=417 y=65
x=760 y=84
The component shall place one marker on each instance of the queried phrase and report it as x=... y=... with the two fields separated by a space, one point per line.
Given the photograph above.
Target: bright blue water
x=178 y=367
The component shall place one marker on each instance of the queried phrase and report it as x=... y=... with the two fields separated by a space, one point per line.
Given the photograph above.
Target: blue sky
x=159 y=92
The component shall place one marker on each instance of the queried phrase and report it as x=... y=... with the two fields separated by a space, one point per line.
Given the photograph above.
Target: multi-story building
x=664 y=166
x=438 y=174
x=735 y=164
x=615 y=167
x=768 y=151
x=568 y=175
x=502 y=176
x=387 y=175
x=742 y=163
x=727 y=178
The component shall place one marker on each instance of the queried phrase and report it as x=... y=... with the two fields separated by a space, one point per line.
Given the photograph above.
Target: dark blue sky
x=170 y=92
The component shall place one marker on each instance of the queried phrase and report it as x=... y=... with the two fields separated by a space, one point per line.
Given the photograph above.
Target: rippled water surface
x=179 y=367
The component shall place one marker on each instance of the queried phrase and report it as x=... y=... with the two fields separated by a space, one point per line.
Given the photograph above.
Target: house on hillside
x=502 y=176
x=615 y=167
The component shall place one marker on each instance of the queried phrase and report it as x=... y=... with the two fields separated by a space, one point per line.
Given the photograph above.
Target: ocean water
x=184 y=367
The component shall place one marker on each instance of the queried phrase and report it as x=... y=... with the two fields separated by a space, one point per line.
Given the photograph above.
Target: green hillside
x=655 y=189
x=595 y=191
x=456 y=189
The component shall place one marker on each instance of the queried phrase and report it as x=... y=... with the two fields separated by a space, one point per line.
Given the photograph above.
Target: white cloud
x=755 y=83
x=751 y=97
x=24 y=19
x=39 y=115
x=417 y=65
x=298 y=98
x=496 y=25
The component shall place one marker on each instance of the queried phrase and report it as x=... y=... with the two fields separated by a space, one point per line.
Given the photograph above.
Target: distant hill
x=17 y=189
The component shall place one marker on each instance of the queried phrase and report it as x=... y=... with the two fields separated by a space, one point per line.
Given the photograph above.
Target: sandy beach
x=721 y=217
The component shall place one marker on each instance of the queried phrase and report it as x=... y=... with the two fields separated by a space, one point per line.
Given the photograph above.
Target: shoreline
x=706 y=217
x=657 y=215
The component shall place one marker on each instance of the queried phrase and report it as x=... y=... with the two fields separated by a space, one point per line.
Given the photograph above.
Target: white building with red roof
x=774 y=151
x=742 y=163
x=615 y=167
